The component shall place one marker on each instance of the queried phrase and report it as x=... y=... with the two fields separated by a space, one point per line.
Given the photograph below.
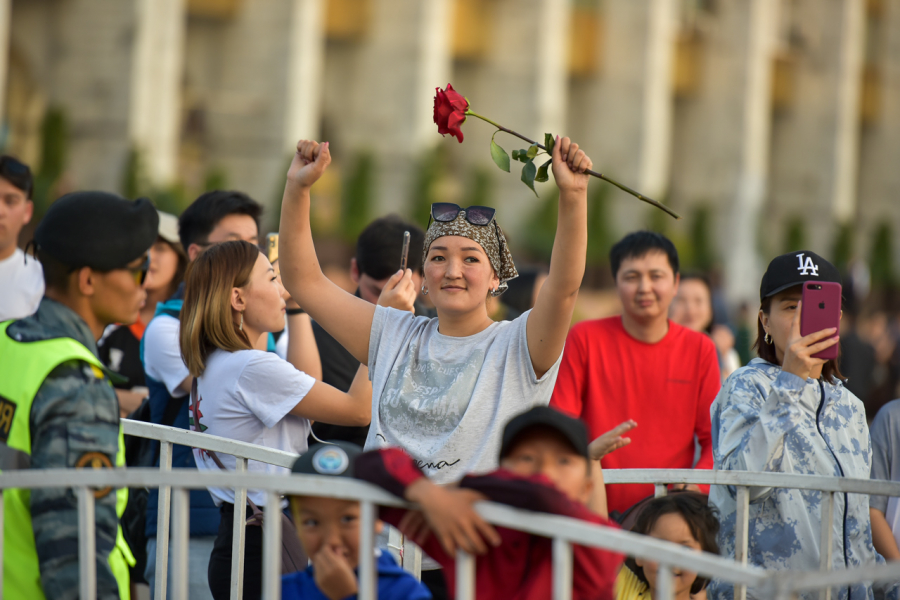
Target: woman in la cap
x=788 y=412
x=444 y=387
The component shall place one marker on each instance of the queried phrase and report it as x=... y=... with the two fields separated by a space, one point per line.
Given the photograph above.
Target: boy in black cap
x=58 y=408
x=545 y=467
x=329 y=532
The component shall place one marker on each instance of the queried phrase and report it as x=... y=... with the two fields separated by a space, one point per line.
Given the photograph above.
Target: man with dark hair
x=23 y=282
x=378 y=250
x=213 y=218
x=58 y=407
x=643 y=367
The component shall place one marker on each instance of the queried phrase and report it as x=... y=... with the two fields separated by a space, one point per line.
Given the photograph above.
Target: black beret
x=99 y=230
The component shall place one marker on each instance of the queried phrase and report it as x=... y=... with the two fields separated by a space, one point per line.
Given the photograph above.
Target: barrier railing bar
x=465 y=575
x=367 y=513
x=2 y=541
x=562 y=569
x=207 y=441
x=181 y=527
x=87 y=543
x=239 y=541
x=753 y=479
x=272 y=547
x=665 y=586
x=811 y=580
x=741 y=536
x=826 y=539
x=162 y=524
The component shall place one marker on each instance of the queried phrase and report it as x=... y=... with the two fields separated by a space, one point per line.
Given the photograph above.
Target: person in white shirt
x=233 y=297
x=21 y=276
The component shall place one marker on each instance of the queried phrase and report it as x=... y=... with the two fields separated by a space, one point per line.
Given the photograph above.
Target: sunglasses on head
x=446 y=212
x=140 y=272
x=16 y=173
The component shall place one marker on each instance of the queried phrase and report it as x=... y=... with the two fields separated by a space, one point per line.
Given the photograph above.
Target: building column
x=158 y=64
x=304 y=72
x=5 y=23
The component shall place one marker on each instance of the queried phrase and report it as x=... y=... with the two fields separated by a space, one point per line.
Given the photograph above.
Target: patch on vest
x=7 y=412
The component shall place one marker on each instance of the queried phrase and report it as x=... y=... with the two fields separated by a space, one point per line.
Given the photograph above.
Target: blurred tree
x=540 y=229
x=881 y=259
x=842 y=253
x=482 y=190
x=703 y=256
x=172 y=198
x=356 y=197
x=428 y=170
x=601 y=236
x=795 y=235
x=54 y=155
x=217 y=179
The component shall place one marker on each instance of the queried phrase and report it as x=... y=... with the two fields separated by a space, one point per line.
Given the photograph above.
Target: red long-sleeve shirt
x=607 y=377
x=520 y=568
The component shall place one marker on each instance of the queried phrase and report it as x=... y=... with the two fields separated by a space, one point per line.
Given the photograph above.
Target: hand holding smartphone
x=821 y=310
x=272 y=247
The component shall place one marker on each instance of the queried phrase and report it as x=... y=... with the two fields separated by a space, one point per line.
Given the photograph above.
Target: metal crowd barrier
x=174 y=500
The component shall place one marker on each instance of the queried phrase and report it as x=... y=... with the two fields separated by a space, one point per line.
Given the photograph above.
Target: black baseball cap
x=571 y=428
x=99 y=230
x=794 y=268
x=332 y=458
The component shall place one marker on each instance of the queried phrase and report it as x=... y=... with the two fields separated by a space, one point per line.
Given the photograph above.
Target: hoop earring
x=768 y=339
x=241 y=326
x=424 y=290
x=495 y=292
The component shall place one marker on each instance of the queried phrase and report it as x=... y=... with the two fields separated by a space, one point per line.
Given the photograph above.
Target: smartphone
x=272 y=247
x=821 y=310
x=404 y=254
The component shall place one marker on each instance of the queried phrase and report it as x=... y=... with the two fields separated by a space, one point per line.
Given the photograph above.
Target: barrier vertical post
x=412 y=558
x=180 y=532
x=240 y=534
x=826 y=539
x=271 y=589
x=367 y=551
x=665 y=586
x=741 y=535
x=660 y=490
x=87 y=544
x=465 y=575
x=562 y=569
x=162 y=524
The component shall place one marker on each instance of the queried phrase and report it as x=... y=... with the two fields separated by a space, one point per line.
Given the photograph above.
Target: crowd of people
x=420 y=383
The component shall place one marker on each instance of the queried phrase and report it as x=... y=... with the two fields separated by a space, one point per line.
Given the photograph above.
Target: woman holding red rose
x=443 y=388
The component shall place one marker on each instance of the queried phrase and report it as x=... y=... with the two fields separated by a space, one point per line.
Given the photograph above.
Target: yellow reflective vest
x=24 y=368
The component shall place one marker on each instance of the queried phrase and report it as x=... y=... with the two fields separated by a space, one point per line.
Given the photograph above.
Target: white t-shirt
x=445 y=400
x=246 y=396
x=162 y=354
x=21 y=286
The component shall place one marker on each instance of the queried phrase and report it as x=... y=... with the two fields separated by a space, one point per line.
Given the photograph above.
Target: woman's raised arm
x=549 y=322
x=347 y=318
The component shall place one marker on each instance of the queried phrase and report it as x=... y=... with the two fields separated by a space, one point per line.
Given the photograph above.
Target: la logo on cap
x=807 y=267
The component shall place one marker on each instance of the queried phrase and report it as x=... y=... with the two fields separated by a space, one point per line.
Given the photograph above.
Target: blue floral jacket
x=765 y=419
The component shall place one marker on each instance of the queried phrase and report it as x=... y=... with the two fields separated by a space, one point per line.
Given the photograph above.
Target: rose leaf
x=528 y=173
x=549 y=142
x=532 y=151
x=542 y=175
x=501 y=158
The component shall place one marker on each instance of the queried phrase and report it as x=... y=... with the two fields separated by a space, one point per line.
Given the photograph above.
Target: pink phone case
x=821 y=310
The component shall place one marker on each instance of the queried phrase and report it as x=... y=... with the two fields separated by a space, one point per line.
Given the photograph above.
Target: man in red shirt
x=643 y=367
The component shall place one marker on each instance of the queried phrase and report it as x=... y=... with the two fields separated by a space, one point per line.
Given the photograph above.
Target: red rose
x=450 y=112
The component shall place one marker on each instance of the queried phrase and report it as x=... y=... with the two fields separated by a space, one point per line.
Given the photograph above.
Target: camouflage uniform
x=75 y=413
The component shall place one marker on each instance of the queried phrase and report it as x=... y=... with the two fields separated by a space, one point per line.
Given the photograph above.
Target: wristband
x=294 y=311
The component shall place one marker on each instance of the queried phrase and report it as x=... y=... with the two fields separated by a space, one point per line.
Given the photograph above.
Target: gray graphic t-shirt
x=445 y=400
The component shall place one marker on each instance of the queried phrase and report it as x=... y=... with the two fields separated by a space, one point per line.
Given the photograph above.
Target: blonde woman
x=232 y=297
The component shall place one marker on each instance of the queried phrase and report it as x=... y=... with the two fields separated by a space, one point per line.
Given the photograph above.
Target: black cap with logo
x=99 y=230
x=794 y=268
x=571 y=428
x=331 y=458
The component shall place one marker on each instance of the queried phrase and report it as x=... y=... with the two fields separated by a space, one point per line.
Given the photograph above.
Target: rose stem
x=624 y=188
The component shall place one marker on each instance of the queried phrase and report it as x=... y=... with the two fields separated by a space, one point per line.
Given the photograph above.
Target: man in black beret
x=58 y=408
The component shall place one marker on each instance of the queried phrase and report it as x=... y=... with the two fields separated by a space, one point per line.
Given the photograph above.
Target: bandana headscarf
x=490 y=237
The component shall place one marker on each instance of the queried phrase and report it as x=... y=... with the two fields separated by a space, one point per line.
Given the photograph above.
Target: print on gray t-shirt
x=445 y=400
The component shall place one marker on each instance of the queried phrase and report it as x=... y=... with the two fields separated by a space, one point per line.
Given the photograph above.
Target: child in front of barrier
x=681 y=518
x=545 y=467
x=329 y=532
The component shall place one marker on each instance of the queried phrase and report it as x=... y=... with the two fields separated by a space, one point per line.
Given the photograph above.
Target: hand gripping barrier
x=174 y=486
